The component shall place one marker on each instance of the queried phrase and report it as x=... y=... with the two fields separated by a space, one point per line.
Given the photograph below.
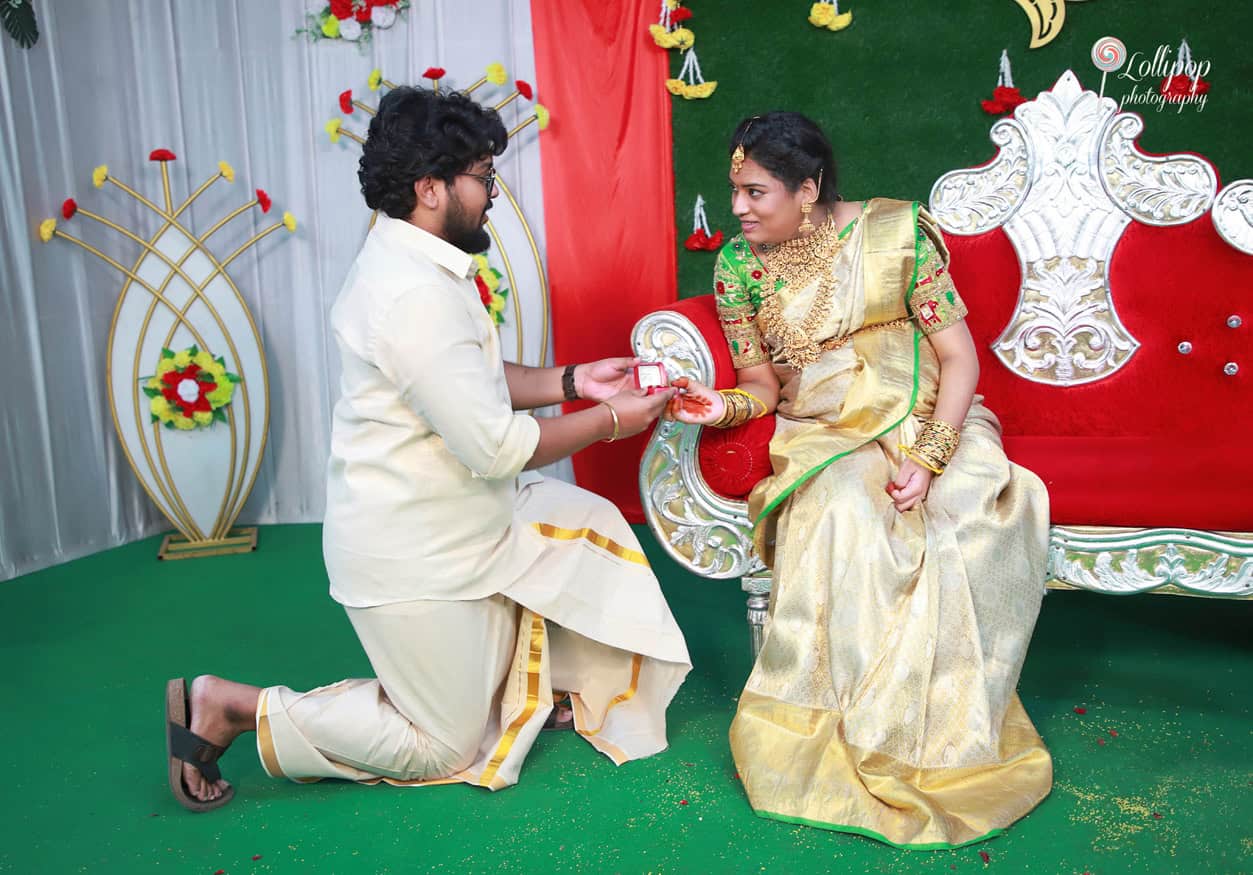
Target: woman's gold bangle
x=613 y=437
x=749 y=395
x=909 y=451
x=738 y=408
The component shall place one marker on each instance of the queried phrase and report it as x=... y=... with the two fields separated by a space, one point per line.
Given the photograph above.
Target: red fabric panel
x=608 y=177
x=1171 y=478
x=1139 y=481
x=1168 y=285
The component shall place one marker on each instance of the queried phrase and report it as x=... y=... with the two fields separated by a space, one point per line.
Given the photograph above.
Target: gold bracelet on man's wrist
x=613 y=437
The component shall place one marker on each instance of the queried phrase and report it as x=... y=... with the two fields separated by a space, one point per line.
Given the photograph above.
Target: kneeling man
x=476 y=586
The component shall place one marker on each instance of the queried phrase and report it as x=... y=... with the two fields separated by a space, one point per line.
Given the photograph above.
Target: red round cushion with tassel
x=733 y=460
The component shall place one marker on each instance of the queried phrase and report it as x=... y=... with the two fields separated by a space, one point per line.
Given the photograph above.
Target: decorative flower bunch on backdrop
x=352 y=20
x=827 y=14
x=189 y=389
x=670 y=33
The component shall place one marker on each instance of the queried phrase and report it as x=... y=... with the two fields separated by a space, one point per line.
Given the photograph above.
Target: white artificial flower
x=383 y=16
x=188 y=390
x=350 y=29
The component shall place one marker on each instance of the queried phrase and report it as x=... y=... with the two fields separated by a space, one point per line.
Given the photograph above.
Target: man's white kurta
x=475 y=588
x=425 y=448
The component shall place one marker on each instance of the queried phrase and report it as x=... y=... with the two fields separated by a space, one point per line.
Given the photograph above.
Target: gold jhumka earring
x=806 y=226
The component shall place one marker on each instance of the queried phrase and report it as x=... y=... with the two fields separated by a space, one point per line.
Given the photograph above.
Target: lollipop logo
x=1108 y=54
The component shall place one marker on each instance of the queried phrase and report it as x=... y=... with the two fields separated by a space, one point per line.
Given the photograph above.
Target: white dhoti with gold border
x=462 y=688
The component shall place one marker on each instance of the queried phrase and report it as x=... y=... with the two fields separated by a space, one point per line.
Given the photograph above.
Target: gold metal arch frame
x=199 y=479
x=539 y=117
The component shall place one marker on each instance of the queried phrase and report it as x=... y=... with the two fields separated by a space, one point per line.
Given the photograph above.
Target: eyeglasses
x=488 y=179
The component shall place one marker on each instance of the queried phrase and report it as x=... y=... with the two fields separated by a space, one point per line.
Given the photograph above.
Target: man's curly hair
x=418 y=133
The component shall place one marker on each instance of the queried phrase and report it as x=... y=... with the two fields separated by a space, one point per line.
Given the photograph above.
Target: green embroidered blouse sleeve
x=737 y=312
x=934 y=302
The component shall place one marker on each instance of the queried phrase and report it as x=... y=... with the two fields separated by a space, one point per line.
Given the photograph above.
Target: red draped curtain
x=608 y=196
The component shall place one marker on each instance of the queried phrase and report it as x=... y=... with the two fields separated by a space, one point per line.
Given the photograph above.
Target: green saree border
x=871 y=834
x=913 y=400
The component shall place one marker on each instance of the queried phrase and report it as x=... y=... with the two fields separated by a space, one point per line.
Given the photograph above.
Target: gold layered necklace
x=798 y=263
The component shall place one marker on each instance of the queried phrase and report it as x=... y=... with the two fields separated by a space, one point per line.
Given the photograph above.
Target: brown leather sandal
x=184 y=746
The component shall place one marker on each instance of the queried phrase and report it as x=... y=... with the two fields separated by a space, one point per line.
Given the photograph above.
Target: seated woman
x=908 y=553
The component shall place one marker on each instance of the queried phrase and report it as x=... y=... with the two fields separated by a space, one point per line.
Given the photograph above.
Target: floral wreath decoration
x=190 y=389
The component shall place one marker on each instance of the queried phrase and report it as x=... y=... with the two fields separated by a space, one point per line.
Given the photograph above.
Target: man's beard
x=462 y=230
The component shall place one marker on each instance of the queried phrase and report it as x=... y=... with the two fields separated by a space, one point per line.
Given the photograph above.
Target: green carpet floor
x=87 y=646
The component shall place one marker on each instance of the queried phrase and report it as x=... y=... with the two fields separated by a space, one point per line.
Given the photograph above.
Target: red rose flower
x=345 y=102
x=1180 y=88
x=485 y=294
x=363 y=13
x=341 y=9
x=433 y=72
x=161 y=155
x=680 y=14
x=1003 y=100
x=264 y=200
x=178 y=388
x=524 y=89
x=69 y=208
x=696 y=241
x=1008 y=97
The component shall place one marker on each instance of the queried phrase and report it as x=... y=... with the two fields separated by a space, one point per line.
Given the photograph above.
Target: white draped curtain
x=223 y=80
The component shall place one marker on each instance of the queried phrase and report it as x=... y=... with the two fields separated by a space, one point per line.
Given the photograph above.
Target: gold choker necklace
x=798 y=263
x=801 y=260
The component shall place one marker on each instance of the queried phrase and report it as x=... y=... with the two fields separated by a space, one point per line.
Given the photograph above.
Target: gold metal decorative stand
x=198 y=473
x=236 y=541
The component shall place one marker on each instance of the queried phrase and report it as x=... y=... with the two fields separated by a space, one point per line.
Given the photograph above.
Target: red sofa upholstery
x=1160 y=443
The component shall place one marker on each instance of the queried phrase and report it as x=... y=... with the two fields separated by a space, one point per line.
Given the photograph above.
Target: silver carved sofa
x=1107 y=308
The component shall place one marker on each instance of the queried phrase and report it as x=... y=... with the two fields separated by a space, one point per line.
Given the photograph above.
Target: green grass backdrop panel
x=898 y=91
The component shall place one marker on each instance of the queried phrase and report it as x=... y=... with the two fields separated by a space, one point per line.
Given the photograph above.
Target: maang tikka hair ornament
x=737 y=157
